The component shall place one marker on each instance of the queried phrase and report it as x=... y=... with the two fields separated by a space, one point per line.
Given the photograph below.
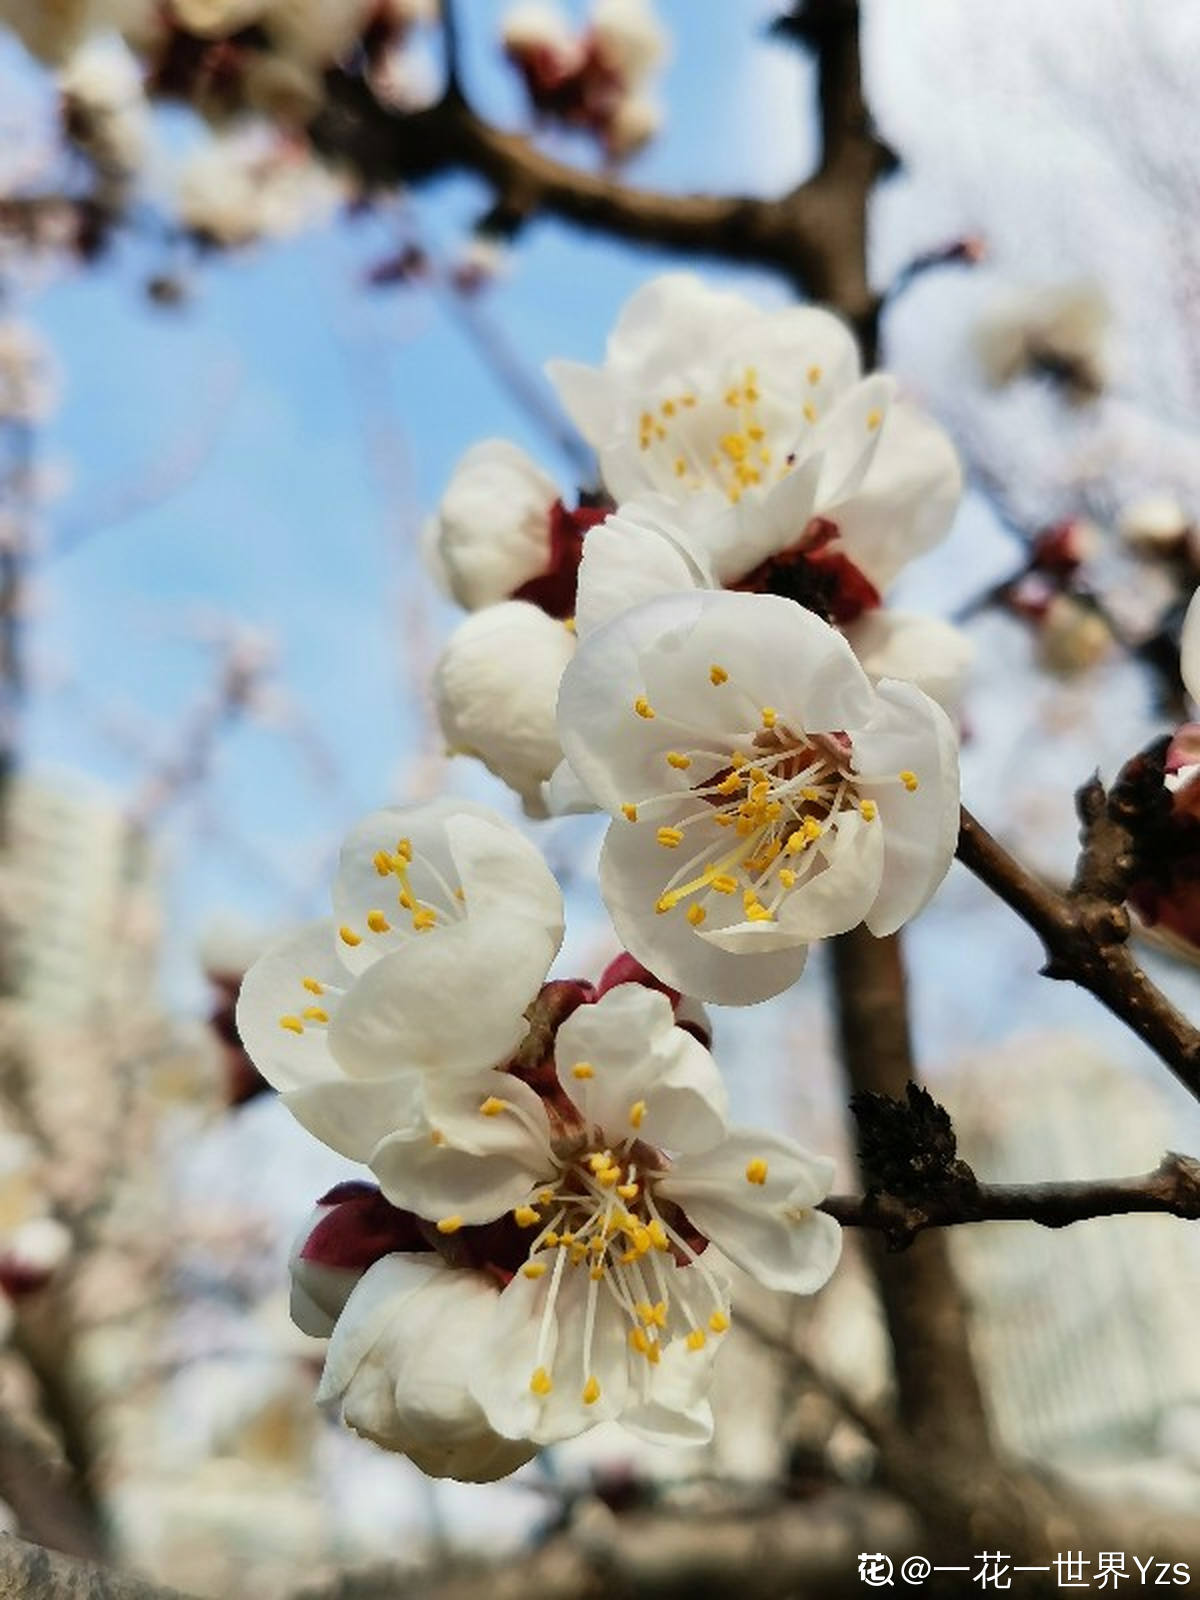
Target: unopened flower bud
x=351 y=1228
x=492 y=530
x=1154 y=525
x=495 y=688
x=1072 y=637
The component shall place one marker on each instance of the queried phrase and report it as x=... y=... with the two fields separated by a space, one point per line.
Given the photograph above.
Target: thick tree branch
x=1085 y=931
x=1172 y=1188
x=813 y=235
x=27 y=1572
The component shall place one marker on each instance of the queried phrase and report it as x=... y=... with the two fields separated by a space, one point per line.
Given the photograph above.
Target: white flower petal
x=848 y=437
x=677 y=1409
x=633 y=556
x=920 y=829
x=461 y=1161
x=753 y=1197
x=493 y=524
x=933 y=654
x=274 y=989
x=351 y=1115
x=1189 y=648
x=637 y=1058
x=906 y=499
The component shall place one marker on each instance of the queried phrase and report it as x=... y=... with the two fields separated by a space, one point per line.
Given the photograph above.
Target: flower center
x=773 y=792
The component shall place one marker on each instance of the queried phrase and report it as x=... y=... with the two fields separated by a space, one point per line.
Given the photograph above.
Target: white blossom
x=702 y=392
x=495 y=686
x=537 y=25
x=1072 y=636
x=29 y=381
x=102 y=91
x=636 y=120
x=613 y=1309
x=1156 y=522
x=249 y=184
x=1061 y=328
x=764 y=794
x=491 y=532
x=630 y=37
x=401 y=1361
x=445 y=923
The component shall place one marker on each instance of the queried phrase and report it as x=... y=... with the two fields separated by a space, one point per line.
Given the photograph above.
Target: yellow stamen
x=450 y=1224
x=696 y=1339
x=718 y=1322
x=383 y=863
x=315 y=1014
x=292 y=1024
x=724 y=884
x=377 y=922
x=637 y=1112
x=717 y=675
x=769 y=716
x=540 y=1383
x=629 y=813
x=627 y=1191
x=756 y=1170
x=534 y=1269
x=874 y=418
x=582 y=1070
x=313 y=986
x=670 y=838
x=696 y=915
x=404 y=850
x=678 y=760
x=591 y=1392
x=526 y=1216
x=424 y=919
x=639 y=1341
x=814 y=374
x=868 y=809
x=910 y=781
x=348 y=936
x=643 y=707
x=493 y=1106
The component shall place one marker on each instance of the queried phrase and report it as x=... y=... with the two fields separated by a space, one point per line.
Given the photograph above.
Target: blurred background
x=232 y=388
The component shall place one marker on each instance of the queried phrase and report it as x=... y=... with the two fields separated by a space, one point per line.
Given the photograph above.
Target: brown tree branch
x=1085 y=931
x=27 y=1572
x=814 y=235
x=1172 y=1188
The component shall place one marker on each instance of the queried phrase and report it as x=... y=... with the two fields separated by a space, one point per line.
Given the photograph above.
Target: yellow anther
x=597 y=1245
x=348 y=936
x=738 y=760
x=687 y=400
x=910 y=781
x=627 y=1191
x=570 y=625
x=670 y=838
x=450 y=1224
x=637 y=1112
x=810 y=411
x=718 y=1322
x=534 y=1269
x=723 y=883
x=601 y=1159
x=733 y=396
x=493 y=1106
x=566 y=1238
x=313 y=985
x=436 y=1136
x=667 y=408
x=291 y=1024
x=868 y=809
x=596 y=1272
x=404 y=850
x=696 y=1340
x=722 y=820
x=315 y=1014
x=653 y=1352
x=680 y=466
x=642 y=1242
x=769 y=716
x=730 y=784
x=814 y=374
x=874 y=418
x=578 y=1253
x=813 y=796
x=591 y=1392
x=663 y=904
x=787 y=877
x=551 y=1241
x=406 y=900
x=735 y=446
x=696 y=915
x=545 y=1196
x=583 y=1069
x=796 y=842
x=639 y=1341
x=749 y=898
x=759 y=914
x=540 y=1383
x=756 y=433
x=607 y=1179
x=717 y=675
x=383 y=863
x=645 y=1311
x=759 y=792
x=526 y=1216
x=629 y=813
x=378 y=923
x=643 y=707
x=424 y=918
x=626 y=1257
x=676 y=759
x=658 y=1235
x=756 y=1170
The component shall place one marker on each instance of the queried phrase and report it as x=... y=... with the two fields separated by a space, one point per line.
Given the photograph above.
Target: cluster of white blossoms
x=595 y=78
x=33 y=1243
x=554 y=1179
x=552 y=1162
x=743 y=450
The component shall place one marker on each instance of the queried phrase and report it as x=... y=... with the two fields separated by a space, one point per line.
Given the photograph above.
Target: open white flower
x=495 y=687
x=764 y=794
x=602 y=1191
x=445 y=923
x=702 y=391
x=401 y=1361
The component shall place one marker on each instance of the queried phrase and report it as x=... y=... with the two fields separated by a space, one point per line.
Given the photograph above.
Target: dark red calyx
x=554 y=589
x=816 y=576
x=360 y=1228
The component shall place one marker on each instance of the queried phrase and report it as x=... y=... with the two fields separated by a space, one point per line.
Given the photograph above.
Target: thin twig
x=1085 y=932
x=1172 y=1188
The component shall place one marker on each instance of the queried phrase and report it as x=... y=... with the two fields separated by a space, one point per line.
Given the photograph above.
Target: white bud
x=495 y=689
x=1156 y=522
x=491 y=533
x=635 y=120
x=1071 y=637
x=630 y=37
x=536 y=25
